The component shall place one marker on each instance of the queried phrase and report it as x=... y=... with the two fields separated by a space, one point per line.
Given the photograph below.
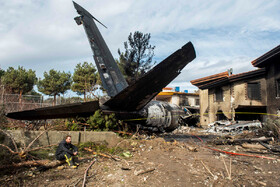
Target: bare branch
x=9 y=149
x=43 y=147
x=86 y=171
x=46 y=163
x=11 y=137
x=228 y=172
x=31 y=143
x=207 y=168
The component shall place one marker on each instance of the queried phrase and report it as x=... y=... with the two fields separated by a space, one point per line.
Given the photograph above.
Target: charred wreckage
x=126 y=101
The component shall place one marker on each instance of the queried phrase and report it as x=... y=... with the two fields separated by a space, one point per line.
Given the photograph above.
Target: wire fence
x=13 y=103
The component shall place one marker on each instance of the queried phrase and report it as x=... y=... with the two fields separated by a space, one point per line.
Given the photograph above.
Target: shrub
x=3 y=118
x=98 y=121
x=72 y=125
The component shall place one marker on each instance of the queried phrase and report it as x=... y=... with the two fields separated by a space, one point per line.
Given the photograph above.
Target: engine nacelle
x=161 y=116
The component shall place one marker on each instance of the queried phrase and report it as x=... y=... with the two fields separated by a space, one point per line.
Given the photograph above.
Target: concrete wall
x=204 y=107
x=192 y=100
x=182 y=99
x=215 y=106
x=240 y=94
x=54 y=137
x=175 y=99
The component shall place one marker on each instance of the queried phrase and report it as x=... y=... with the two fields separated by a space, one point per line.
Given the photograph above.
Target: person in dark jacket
x=66 y=151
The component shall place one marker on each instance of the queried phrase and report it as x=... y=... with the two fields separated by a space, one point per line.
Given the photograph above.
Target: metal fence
x=12 y=103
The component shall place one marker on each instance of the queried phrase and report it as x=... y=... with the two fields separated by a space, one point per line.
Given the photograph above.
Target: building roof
x=178 y=93
x=270 y=56
x=167 y=88
x=229 y=79
x=204 y=80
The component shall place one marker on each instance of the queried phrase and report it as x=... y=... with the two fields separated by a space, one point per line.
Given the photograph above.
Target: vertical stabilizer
x=110 y=74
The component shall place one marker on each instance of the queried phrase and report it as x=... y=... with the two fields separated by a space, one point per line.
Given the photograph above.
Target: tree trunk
x=54 y=100
x=85 y=91
x=85 y=99
x=46 y=163
x=20 y=97
x=136 y=73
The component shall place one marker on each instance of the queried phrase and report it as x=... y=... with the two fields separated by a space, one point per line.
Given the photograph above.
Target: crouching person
x=66 y=151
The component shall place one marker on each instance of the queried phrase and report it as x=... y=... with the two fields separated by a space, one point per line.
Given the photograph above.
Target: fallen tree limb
x=101 y=154
x=45 y=163
x=273 y=149
x=207 y=168
x=241 y=141
x=11 y=151
x=23 y=152
x=86 y=171
x=252 y=146
x=35 y=149
x=12 y=138
x=228 y=171
x=76 y=182
x=32 y=142
x=143 y=171
x=43 y=147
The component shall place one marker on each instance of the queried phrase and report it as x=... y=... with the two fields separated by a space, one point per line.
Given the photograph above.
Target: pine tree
x=54 y=83
x=137 y=58
x=84 y=78
x=19 y=81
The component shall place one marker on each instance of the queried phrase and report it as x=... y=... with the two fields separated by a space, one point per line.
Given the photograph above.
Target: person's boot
x=75 y=159
x=70 y=162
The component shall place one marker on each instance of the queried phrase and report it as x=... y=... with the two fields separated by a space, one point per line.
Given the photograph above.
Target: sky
x=42 y=34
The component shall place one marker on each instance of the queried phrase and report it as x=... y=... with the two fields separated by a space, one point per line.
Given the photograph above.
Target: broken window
x=196 y=101
x=278 y=88
x=221 y=116
x=254 y=91
x=218 y=95
x=184 y=101
x=250 y=113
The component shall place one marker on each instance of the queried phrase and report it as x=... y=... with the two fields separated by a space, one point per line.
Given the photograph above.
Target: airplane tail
x=110 y=74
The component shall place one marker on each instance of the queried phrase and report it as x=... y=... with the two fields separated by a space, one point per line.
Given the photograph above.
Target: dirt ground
x=162 y=161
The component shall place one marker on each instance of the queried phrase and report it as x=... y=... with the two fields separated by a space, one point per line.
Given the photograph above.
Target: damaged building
x=242 y=97
x=175 y=96
x=271 y=62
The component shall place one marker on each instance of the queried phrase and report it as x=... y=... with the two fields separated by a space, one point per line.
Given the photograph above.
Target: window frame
x=251 y=95
x=197 y=102
x=277 y=86
x=219 y=92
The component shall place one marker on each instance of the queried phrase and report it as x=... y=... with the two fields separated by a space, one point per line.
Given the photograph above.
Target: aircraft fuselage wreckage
x=128 y=102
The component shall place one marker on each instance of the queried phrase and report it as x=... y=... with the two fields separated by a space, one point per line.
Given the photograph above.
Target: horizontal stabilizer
x=137 y=95
x=60 y=111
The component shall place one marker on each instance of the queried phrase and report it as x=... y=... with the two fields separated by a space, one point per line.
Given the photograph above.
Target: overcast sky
x=42 y=35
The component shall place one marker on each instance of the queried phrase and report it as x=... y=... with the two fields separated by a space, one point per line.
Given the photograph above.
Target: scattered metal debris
x=234 y=127
x=241 y=141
